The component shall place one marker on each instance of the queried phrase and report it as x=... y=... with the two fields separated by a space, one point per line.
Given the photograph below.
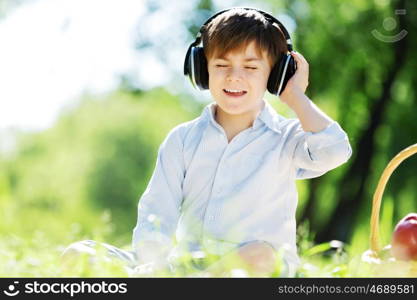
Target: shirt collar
x=267 y=115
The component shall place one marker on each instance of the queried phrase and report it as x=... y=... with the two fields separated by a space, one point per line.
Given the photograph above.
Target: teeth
x=233 y=91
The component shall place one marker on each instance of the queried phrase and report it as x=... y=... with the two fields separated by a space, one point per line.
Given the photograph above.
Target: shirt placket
x=211 y=212
x=213 y=208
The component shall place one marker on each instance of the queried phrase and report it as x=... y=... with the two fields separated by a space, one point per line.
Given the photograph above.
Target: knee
x=259 y=257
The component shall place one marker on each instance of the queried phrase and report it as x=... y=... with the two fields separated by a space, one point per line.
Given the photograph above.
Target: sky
x=53 y=50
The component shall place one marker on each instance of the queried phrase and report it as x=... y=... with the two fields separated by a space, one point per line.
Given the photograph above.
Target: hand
x=259 y=257
x=298 y=82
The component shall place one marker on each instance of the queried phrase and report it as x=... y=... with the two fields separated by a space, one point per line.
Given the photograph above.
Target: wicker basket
x=384 y=263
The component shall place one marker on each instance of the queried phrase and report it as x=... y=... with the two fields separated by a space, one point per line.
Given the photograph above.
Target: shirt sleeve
x=315 y=153
x=159 y=205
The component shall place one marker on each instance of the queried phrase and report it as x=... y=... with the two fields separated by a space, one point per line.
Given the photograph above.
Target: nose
x=234 y=74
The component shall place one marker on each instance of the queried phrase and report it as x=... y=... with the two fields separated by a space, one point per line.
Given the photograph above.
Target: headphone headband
x=267 y=16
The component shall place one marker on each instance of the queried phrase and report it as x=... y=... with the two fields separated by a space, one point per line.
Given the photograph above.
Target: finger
x=297 y=58
x=301 y=64
x=300 y=57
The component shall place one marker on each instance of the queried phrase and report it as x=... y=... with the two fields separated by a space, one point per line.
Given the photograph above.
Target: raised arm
x=317 y=144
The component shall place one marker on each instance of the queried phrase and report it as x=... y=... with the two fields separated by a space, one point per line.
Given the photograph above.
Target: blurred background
x=89 y=89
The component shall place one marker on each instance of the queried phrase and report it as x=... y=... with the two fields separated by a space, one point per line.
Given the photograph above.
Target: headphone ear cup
x=291 y=68
x=283 y=70
x=200 y=68
x=275 y=75
x=187 y=70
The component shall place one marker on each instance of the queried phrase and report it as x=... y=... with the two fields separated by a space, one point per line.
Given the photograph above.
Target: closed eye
x=225 y=66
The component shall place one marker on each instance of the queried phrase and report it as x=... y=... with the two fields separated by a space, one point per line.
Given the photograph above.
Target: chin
x=233 y=108
x=237 y=108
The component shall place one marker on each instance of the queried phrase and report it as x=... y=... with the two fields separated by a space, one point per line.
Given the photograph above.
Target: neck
x=237 y=123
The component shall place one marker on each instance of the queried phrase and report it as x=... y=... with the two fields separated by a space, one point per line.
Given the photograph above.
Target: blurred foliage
x=98 y=157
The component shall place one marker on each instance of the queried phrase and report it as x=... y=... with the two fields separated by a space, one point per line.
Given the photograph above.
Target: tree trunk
x=352 y=187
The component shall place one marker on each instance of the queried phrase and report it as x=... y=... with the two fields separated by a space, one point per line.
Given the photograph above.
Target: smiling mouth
x=234 y=93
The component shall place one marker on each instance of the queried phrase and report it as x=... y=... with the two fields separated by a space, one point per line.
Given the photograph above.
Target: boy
x=224 y=183
x=227 y=178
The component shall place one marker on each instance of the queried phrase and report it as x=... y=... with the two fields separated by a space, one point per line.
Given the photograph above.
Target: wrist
x=292 y=97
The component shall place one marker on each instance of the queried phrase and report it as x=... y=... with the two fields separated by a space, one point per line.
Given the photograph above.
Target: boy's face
x=244 y=71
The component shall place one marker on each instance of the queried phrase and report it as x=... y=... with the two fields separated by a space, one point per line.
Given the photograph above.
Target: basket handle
x=376 y=202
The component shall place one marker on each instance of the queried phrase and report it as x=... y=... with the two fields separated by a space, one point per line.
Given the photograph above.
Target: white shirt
x=213 y=195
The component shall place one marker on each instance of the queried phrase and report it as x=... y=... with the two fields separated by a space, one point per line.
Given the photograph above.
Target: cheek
x=217 y=73
x=217 y=78
x=260 y=80
x=214 y=78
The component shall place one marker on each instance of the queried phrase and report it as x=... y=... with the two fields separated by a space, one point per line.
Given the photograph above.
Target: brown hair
x=235 y=29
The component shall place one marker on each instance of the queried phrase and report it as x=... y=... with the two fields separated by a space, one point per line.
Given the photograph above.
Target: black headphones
x=195 y=64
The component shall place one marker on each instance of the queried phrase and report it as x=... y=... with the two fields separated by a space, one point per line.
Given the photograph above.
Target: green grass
x=39 y=256
x=33 y=240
